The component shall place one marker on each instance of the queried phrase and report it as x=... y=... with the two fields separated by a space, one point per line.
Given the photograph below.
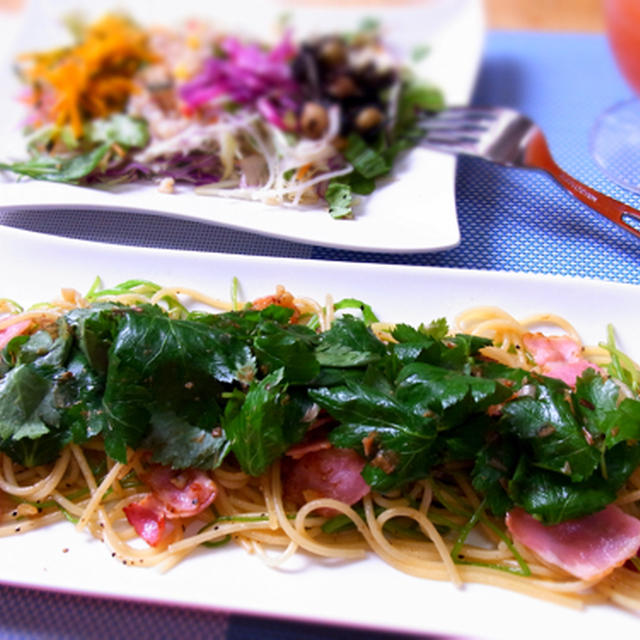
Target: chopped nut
x=368 y=118
x=26 y=510
x=333 y=51
x=166 y=185
x=546 y=430
x=343 y=87
x=314 y=120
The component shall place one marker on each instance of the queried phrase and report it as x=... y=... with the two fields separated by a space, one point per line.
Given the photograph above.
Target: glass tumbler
x=615 y=138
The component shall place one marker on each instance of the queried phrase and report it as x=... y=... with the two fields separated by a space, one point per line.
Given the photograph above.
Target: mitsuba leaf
x=25 y=395
x=349 y=343
x=435 y=330
x=24 y=349
x=551 y=432
x=511 y=377
x=453 y=396
x=94 y=329
x=31 y=430
x=180 y=445
x=595 y=404
x=79 y=396
x=426 y=345
x=35 y=451
x=463 y=442
x=334 y=376
x=552 y=497
x=495 y=464
x=627 y=424
x=289 y=348
x=423 y=350
x=458 y=352
x=244 y=324
x=402 y=443
x=157 y=363
x=262 y=424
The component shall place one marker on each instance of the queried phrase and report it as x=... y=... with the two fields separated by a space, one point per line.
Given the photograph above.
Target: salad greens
x=319 y=120
x=101 y=138
x=374 y=159
x=197 y=389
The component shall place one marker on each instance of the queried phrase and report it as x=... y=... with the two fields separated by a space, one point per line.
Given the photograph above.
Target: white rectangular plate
x=366 y=593
x=412 y=211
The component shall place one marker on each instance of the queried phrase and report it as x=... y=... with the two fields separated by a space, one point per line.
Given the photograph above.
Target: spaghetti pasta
x=442 y=524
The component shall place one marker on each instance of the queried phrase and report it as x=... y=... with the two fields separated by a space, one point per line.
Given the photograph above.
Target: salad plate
x=412 y=210
x=364 y=593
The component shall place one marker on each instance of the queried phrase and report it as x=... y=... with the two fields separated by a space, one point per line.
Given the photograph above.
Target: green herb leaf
x=364 y=158
x=59 y=168
x=258 y=425
x=340 y=199
x=553 y=498
x=555 y=440
x=403 y=441
x=289 y=348
x=368 y=315
x=158 y=363
x=177 y=443
x=119 y=128
x=349 y=343
x=453 y=396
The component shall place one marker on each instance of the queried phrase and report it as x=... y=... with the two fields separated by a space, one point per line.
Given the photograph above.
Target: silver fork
x=509 y=138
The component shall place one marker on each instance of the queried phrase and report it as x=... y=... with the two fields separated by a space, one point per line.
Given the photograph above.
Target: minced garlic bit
x=166 y=185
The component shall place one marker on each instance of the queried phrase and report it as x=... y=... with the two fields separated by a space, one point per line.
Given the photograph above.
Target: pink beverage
x=623 y=28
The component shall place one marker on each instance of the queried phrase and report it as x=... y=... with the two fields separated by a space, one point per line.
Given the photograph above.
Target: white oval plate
x=412 y=211
x=367 y=593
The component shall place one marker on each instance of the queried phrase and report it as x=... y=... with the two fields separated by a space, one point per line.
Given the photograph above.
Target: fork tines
x=465 y=129
x=456 y=126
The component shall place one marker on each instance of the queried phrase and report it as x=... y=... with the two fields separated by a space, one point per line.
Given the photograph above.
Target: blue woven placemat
x=510 y=220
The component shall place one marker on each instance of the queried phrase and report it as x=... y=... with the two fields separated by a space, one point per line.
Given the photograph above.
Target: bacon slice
x=174 y=495
x=6 y=503
x=148 y=519
x=182 y=493
x=12 y=331
x=326 y=473
x=301 y=449
x=588 y=547
x=558 y=356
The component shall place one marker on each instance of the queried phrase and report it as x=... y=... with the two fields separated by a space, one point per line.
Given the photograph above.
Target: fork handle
x=538 y=156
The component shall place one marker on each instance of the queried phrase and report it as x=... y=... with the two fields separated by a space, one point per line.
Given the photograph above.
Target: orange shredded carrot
x=302 y=171
x=91 y=79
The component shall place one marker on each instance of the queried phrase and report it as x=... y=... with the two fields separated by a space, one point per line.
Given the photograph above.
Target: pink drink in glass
x=623 y=28
x=615 y=138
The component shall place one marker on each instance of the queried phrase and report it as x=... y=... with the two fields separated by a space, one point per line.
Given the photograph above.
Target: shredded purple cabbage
x=123 y=172
x=196 y=168
x=247 y=75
